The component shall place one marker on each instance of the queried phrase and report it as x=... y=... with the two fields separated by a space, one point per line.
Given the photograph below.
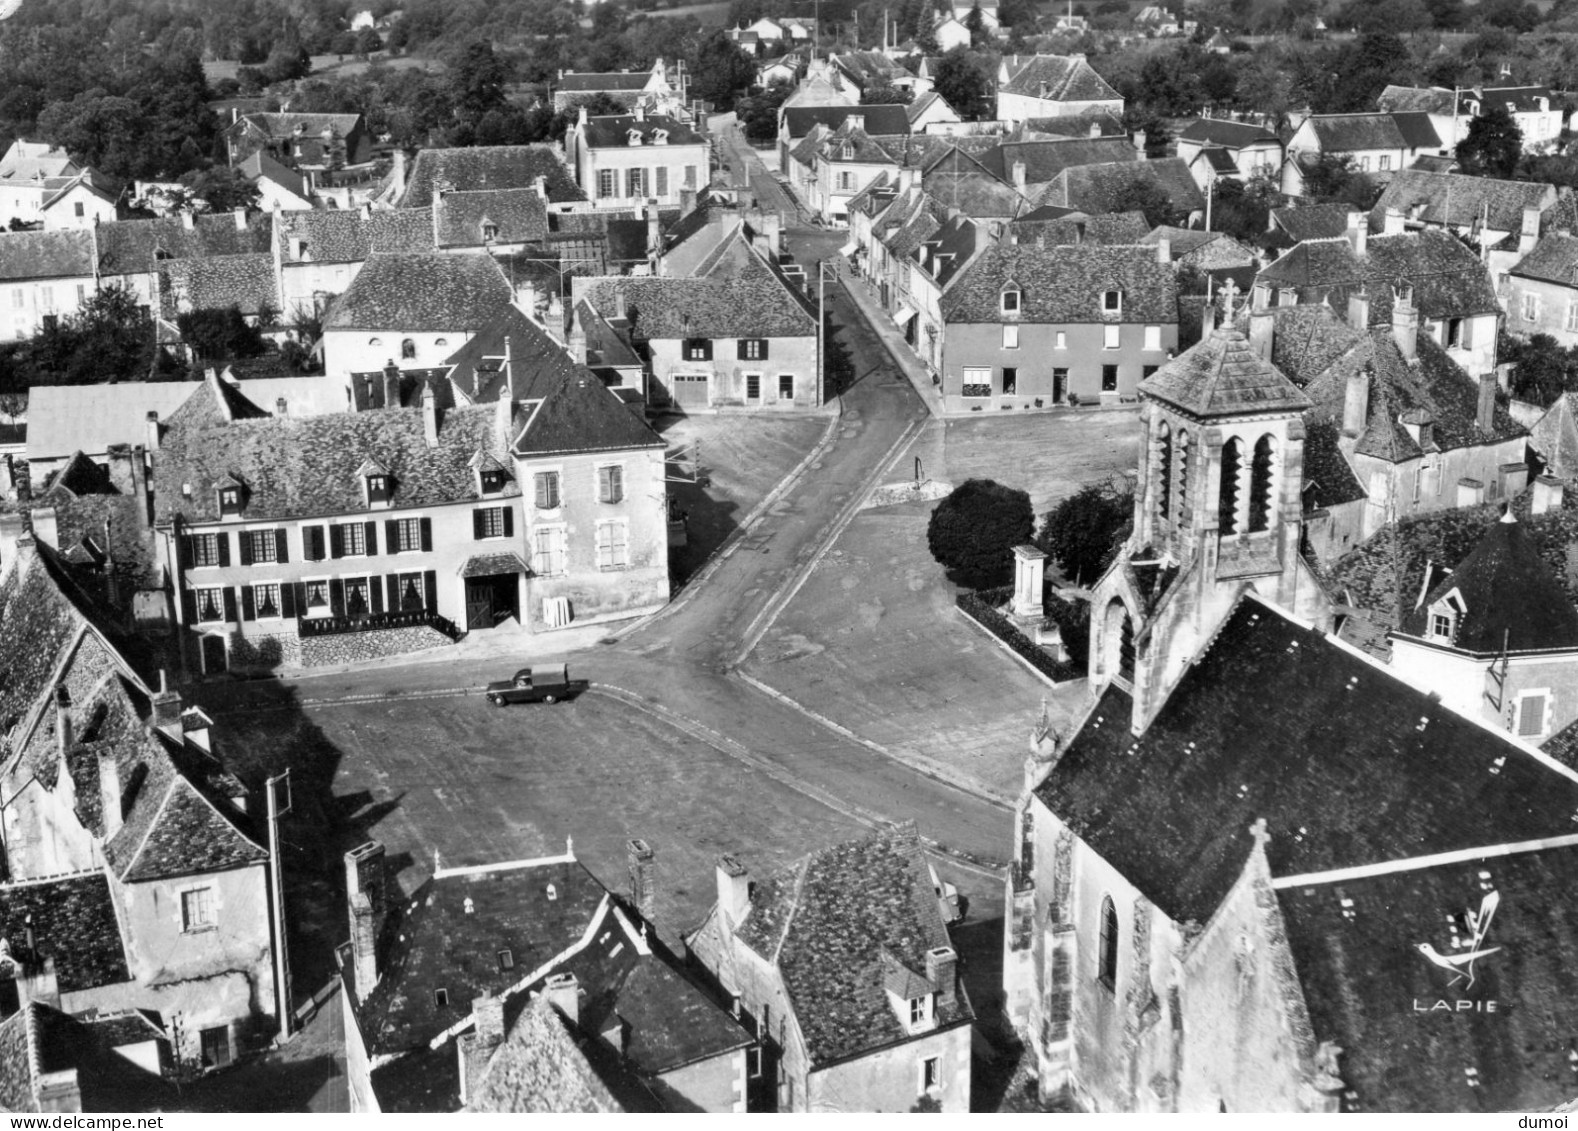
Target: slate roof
x=86 y=507
x=244 y=281
x=282 y=125
x=612 y=131
x=1351 y=133
x=1355 y=947
x=1098 y=188
x=1045 y=159
x=73 y=921
x=1415 y=99
x=1076 y=125
x=1061 y=78
x=1554 y=259
x=429 y=291
x=45 y=255
x=869 y=68
x=925 y=102
x=1065 y=285
x=1525 y=99
x=1555 y=436
x=880 y=121
x=519 y=215
x=1458 y=200
x=351 y=235
x=1348 y=765
x=33 y=161
x=1315 y=221
x=1448 y=279
x=834 y=923
x=134 y=247
x=489 y=167
x=261 y=167
x=1220 y=376
x=476 y=369
x=960 y=181
x=538 y=1068
x=1226 y=134
x=590 y=81
x=1507 y=595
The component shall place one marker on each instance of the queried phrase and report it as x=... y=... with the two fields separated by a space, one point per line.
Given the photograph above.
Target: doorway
x=214 y=655
x=492 y=599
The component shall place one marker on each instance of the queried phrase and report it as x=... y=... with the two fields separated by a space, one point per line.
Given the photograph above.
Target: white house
x=623 y=161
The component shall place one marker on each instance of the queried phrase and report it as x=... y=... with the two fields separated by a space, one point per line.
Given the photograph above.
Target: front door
x=213 y=654
x=479 y=604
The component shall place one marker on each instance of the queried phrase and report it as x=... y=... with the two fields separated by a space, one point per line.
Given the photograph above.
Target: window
x=1364 y=164
x=752 y=349
x=197 y=909
x=753 y=1062
x=662 y=180
x=690 y=176
x=441 y=342
x=491 y=522
x=1531 y=714
x=846 y=182
x=786 y=386
x=441 y=996
x=493 y=481
x=1147 y=370
x=77 y=208
x=1010 y=300
x=1059 y=382
x=215 y=1045
x=353 y=539
x=358 y=596
x=206 y=552
x=930 y=1077
x=266 y=599
x=1107 y=949
x=1153 y=338
x=1570 y=324
x=1109 y=378
x=406 y=536
x=977 y=383
x=607 y=184
x=1232 y=466
x=635 y=182
x=1011 y=336
x=17 y=298
x=1531 y=308
x=211 y=604
x=490 y=232
x=407 y=349
x=753 y=386
x=547 y=490
x=1010 y=379
x=82 y=294
x=316 y=594
x=698 y=349
x=409 y=593
x=547 y=551
x=1112 y=302
x=230 y=500
x=1386 y=162
x=506 y=960
x=1111 y=337
x=917 y=1011
x=375 y=341
x=261 y=546
x=1062 y=340
x=613 y=546
x=1260 y=467
x=611 y=484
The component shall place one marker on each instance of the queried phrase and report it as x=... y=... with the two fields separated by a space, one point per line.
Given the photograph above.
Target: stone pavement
x=861 y=294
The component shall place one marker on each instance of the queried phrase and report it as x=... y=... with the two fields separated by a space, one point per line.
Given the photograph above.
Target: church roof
x=1509 y=596
x=1555 y=436
x=1223 y=376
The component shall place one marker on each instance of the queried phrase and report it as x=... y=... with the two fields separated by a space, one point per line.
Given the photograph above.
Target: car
x=540 y=683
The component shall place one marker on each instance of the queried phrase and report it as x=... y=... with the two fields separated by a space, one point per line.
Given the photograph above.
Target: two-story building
x=843 y=965
x=84 y=200
x=1031 y=326
x=1541 y=289
x=1534 y=110
x=474 y=168
x=650 y=88
x=313 y=144
x=1049 y=86
x=30 y=173
x=1214 y=148
x=1482 y=210
x=318 y=253
x=1378 y=144
x=44 y=276
x=623 y=161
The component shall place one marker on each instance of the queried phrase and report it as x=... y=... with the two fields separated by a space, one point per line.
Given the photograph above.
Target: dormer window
x=229 y=500
x=493 y=480
x=1441 y=626
x=920 y=1010
x=378 y=491
x=659 y=137
x=1112 y=302
x=490 y=232
x=1009 y=300
x=847 y=153
x=634 y=136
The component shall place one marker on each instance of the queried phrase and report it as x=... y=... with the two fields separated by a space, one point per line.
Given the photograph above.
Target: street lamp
x=821 y=324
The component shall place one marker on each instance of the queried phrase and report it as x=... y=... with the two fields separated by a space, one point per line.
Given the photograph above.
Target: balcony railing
x=373 y=622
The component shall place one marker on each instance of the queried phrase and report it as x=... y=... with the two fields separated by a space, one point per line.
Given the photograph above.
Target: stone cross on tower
x=1229 y=293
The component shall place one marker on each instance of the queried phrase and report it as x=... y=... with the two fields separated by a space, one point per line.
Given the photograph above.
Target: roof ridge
x=794 y=906
x=1422 y=863
x=153 y=823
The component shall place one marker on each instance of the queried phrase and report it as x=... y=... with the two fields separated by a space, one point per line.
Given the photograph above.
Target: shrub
x=1084 y=532
x=973 y=531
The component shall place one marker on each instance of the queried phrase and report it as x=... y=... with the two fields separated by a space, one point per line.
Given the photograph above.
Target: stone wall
x=264 y=652
x=354 y=647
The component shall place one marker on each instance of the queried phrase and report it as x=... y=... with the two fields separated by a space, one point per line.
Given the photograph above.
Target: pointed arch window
x=1164 y=471
x=1181 y=460
x=1107 y=945
x=1227 y=500
x=1260 y=484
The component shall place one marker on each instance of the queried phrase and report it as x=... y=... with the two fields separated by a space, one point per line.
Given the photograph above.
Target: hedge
x=981 y=606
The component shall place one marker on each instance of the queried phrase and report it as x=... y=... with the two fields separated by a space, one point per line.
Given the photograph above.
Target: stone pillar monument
x=1029 y=575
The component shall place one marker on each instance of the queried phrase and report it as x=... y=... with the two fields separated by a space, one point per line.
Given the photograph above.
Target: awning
x=484 y=565
x=904 y=313
x=849 y=248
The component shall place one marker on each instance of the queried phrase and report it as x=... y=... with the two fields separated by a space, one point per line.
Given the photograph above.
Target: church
x=1264 y=873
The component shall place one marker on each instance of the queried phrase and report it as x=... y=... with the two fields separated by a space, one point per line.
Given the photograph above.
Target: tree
x=111 y=338
x=1084 y=532
x=1375 y=61
x=962 y=84
x=720 y=71
x=1243 y=210
x=886 y=96
x=220 y=334
x=477 y=81
x=758 y=112
x=1494 y=145
x=975 y=24
x=1334 y=178
x=1542 y=369
x=973 y=532
x=1144 y=194
x=221 y=187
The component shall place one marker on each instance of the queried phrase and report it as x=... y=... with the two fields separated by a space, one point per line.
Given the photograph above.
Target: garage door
x=690 y=391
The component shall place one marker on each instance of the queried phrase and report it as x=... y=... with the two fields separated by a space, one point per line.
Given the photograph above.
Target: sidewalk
x=892 y=339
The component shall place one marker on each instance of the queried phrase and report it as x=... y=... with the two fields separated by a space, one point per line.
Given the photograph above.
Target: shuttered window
x=548 y=551
x=613 y=546
x=611 y=484
x=547 y=483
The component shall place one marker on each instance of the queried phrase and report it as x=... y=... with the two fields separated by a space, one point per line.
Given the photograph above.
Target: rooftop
x=513 y=215
x=480 y=167
x=616 y=130
x=1461 y=201
x=1223 y=376
x=1065 y=284
x=416 y=292
x=1061 y=78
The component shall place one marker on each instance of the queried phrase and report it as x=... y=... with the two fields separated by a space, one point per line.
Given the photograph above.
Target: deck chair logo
x=1468 y=945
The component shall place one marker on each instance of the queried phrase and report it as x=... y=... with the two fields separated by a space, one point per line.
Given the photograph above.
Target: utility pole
x=821 y=323
x=277 y=902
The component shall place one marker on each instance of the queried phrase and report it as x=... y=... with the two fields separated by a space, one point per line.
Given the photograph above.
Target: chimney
x=1262 y=328
x=1139 y=143
x=63 y=728
x=1019 y=175
x=11 y=529
x=504 y=419
x=1359 y=310
x=1164 y=250
x=1358 y=231
x=188 y=221
x=687 y=201
x=540 y=183
x=640 y=112
x=580 y=116
x=1392 y=223
x=241 y=219
x=1470 y=492
x=196 y=726
x=643 y=881
x=1405 y=324
x=364 y=890
x=45 y=528
x=734 y=890
x=1529 y=234
x=120 y=460
x=487 y=1012
x=429 y=415
x=1208 y=316
x=167 y=710
x=654 y=236
x=110 y=793
x=576 y=342
x=564 y=994
x=1356 y=403
x=391 y=384
x=1547 y=495
x=1485 y=417
x=941 y=962
x=1095 y=129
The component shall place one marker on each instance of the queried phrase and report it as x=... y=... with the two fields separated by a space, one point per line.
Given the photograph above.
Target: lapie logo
x=1460 y=961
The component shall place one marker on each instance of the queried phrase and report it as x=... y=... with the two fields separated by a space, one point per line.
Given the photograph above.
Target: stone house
x=474 y=168
x=1441 y=104
x=1502 y=218
x=438 y=988
x=1050 y=86
x=132 y=253
x=842 y=163
x=318 y=253
x=1541 y=289
x=30 y=173
x=1536 y=112
x=797 y=122
x=650 y=88
x=51 y=1061
x=82 y=201
x=44 y=276
x=844 y=968
x=624 y=161
x=1250 y=150
x=1254 y=926
x=1029 y=323
x=1103 y=188
x=1378 y=144
x=279 y=187
x=310 y=143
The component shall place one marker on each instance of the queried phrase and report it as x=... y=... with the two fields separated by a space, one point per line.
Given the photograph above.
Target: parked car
x=541 y=683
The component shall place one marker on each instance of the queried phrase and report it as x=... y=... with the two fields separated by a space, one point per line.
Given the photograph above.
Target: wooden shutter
x=427 y=535
x=336 y=542
x=223 y=540
x=392 y=584
x=605 y=484
x=509 y=521
x=430 y=589
x=189 y=606
x=282 y=545
x=616 y=483
x=183 y=552
x=541 y=480
x=287 y=599
x=558 y=551
x=605 y=544
x=372 y=537
x=761 y=345
x=392 y=534
x=249 y=605
x=479 y=524
x=312 y=543
x=230 y=605
x=375 y=596
x=337 y=597
x=244 y=540
x=618 y=548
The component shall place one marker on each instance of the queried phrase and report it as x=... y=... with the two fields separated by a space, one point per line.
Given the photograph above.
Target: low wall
x=267 y=652
x=376 y=644
x=982 y=607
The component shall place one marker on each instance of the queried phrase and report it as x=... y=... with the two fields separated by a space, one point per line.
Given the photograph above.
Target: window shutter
x=605 y=484
x=1465 y=336
x=621 y=550
x=244 y=539
x=392 y=584
x=293 y=598
x=312 y=543
x=762 y=345
x=230 y=605
x=188 y=606
x=477 y=524
x=430 y=588
x=282 y=545
x=375 y=596
x=392 y=536
x=558 y=551
x=372 y=537
x=617 y=478
x=249 y=607
x=223 y=539
x=509 y=522
x=183 y=552
x=337 y=597
x=336 y=542
x=605 y=545
x=427 y=535
x=541 y=482
x=742 y=349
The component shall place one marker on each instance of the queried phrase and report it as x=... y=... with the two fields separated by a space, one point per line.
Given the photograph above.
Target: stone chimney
x=63 y=727
x=1356 y=403
x=280 y=408
x=1164 y=250
x=1529 y=233
x=1262 y=330
x=1208 y=317
x=734 y=890
x=364 y=890
x=1470 y=492
x=687 y=201
x=1359 y=310
x=110 y=798
x=564 y=994
x=11 y=529
x=1019 y=175
x=909 y=174
x=429 y=415
x=540 y=183
x=1485 y=416
x=654 y=236
x=1358 y=232
x=488 y=1013
x=1392 y=222
x=1139 y=143
x=153 y=431
x=167 y=710
x=241 y=219
x=1547 y=495
x=45 y=527
x=391 y=384
x=1405 y=324
x=941 y=962
x=1095 y=130
x=59 y=1091
x=188 y=221
x=643 y=878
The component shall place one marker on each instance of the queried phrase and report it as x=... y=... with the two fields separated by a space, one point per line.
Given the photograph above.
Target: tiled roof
x=854 y=142
x=1507 y=597
x=1347 y=764
x=951 y=250
x=1415 y=99
x=612 y=131
x=833 y=922
x=1329 y=479
x=261 y=167
x=34 y=160
x=133 y=247
x=86 y=511
x=518 y=215
x=1221 y=375
x=283 y=125
x=1044 y=160
x=1350 y=133
x=1076 y=125
x=351 y=235
x=430 y=291
x=1554 y=259
x=45 y=255
x=1458 y=200
x=1356 y=948
x=590 y=81
x=489 y=167
x=1228 y=135
x=300 y=467
x=217 y=282
x=1555 y=436
x=72 y=921
x=1447 y=278
x=1524 y=99
x=1315 y=221
x=1099 y=188
x=477 y=368
x=538 y=1068
x=925 y=102
x=370 y=390
x=879 y=121
x=866 y=68
x=1065 y=285
x=960 y=181
x=1061 y=78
